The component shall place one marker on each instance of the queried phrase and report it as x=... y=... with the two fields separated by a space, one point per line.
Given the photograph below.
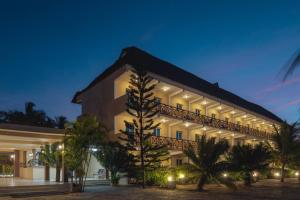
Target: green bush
x=159 y=176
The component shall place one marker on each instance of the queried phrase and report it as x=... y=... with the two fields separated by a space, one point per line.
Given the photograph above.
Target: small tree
x=51 y=156
x=143 y=107
x=285 y=144
x=246 y=159
x=206 y=161
x=115 y=158
x=83 y=135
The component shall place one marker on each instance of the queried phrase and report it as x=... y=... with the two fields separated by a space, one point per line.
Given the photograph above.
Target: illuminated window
x=179 y=106
x=130 y=130
x=156 y=132
x=178 y=162
x=178 y=135
x=157 y=100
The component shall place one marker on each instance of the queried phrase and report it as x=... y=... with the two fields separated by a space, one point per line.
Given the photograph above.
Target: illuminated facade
x=189 y=106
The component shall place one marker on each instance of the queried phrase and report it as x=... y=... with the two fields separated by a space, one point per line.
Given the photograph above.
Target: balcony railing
x=172 y=143
x=209 y=121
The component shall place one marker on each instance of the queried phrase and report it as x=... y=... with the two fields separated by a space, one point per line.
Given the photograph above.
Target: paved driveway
x=270 y=189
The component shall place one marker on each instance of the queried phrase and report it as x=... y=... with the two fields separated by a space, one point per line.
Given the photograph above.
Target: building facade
x=189 y=106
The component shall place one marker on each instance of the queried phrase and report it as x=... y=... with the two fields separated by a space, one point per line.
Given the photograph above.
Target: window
x=156 y=132
x=178 y=135
x=197 y=111
x=130 y=130
x=197 y=137
x=157 y=100
x=213 y=116
x=179 y=106
x=178 y=162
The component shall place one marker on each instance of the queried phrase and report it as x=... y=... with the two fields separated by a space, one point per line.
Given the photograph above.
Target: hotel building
x=189 y=106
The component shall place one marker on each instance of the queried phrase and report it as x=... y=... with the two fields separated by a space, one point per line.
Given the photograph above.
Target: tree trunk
x=47 y=172
x=201 y=183
x=247 y=179
x=282 y=172
x=57 y=177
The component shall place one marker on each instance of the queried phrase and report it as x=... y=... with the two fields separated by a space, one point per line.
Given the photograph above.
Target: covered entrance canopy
x=23 y=142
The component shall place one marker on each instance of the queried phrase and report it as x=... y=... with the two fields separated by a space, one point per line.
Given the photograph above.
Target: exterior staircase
x=96 y=182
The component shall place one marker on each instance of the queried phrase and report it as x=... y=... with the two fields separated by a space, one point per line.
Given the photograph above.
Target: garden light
x=181 y=176
x=170 y=178
x=277 y=174
x=296 y=173
x=254 y=174
x=225 y=175
x=12 y=156
x=59 y=146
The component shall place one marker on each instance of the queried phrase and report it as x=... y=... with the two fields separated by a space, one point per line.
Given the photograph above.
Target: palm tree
x=285 y=144
x=246 y=159
x=51 y=156
x=81 y=138
x=206 y=161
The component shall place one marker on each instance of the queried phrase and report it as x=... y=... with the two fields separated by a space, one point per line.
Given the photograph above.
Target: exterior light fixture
x=220 y=107
x=296 y=173
x=181 y=175
x=219 y=131
x=186 y=96
x=204 y=128
x=254 y=174
x=60 y=147
x=30 y=154
x=163 y=120
x=233 y=112
x=232 y=134
x=165 y=89
x=225 y=175
x=170 y=178
x=204 y=102
x=94 y=149
x=12 y=156
x=186 y=124
x=245 y=116
x=277 y=174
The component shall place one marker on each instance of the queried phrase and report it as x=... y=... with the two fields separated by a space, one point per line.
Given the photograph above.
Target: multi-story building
x=189 y=106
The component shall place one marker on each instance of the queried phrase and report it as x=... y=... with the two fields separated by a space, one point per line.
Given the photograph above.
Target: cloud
x=276 y=87
x=289 y=104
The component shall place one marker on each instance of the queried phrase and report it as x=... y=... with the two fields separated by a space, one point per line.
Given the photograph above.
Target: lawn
x=270 y=189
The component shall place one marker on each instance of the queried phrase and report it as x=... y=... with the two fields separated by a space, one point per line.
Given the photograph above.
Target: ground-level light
x=277 y=174
x=225 y=175
x=254 y=174
x=296 y=173
x=170 y=178
x=181 y=176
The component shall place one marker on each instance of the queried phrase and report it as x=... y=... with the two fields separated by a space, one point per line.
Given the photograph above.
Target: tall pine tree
x=142 y=106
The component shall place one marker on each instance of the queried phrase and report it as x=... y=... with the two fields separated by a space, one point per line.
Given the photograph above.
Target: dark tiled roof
x=140 y=58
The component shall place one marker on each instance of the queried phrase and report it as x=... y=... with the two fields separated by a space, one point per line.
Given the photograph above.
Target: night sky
x=51 y=49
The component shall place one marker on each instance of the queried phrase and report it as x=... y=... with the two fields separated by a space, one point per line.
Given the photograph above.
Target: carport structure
x=23 y=143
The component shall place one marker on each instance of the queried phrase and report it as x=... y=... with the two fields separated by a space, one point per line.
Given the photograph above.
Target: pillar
x=24 y=159
x=47 y=167
x=33 y=154
x=17 y=163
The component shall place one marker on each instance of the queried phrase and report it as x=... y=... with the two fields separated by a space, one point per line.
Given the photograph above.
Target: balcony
x=204 y=120
x=172 y=143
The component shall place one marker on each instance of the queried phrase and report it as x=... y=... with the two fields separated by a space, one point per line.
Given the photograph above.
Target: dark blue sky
x=51 y=49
